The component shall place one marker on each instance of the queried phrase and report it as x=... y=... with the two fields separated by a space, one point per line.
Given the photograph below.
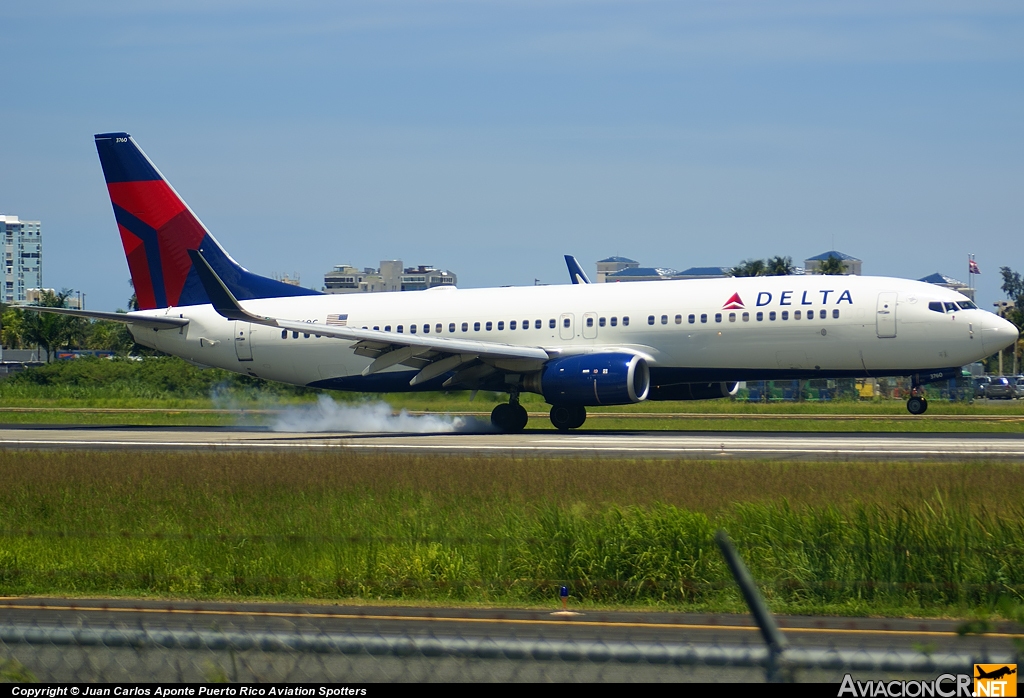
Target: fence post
x=770 y=632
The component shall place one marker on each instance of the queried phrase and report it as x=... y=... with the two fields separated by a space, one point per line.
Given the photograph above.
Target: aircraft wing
x=156 y=323
x=432 y=354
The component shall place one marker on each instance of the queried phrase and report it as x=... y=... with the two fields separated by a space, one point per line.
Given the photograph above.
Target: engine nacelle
x=592 y=379
x=693 y=391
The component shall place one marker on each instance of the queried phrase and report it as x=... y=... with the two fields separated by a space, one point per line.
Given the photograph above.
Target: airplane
x=996 y=673
x=577 y=345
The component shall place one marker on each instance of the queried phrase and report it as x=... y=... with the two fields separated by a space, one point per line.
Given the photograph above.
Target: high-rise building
x=22 y=257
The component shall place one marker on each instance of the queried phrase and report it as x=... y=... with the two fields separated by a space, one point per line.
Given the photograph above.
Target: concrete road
x=659 y=444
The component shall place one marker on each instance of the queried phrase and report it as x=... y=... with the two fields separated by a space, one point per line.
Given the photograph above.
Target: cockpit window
x=936 y=306
x=967 y=305
x=950 y=307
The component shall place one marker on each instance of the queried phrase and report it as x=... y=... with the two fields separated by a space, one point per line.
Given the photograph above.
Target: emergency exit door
x=243 y=342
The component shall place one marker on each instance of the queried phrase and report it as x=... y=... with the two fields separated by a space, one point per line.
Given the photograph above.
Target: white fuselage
x=791 y=326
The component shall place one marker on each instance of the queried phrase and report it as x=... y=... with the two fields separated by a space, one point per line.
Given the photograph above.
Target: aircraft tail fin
x=576 y=273
x=158 y=229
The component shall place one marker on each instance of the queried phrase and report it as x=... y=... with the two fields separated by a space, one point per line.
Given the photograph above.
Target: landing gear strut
x=917 y=404
x=566 y=417
x=510 y=417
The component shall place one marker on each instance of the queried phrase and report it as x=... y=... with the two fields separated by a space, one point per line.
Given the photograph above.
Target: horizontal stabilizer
x=157 y=323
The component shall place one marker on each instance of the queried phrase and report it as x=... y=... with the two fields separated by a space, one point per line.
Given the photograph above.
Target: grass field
x=838 y=538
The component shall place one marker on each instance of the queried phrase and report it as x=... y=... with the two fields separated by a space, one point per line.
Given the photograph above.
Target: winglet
x=224 y=302
x=576 y=273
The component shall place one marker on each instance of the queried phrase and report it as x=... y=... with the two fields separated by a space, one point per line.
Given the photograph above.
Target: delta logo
x=734 y=303
x=995 y=680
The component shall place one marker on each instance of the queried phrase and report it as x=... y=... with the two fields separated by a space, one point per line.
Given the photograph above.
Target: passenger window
x=691 y=318
x=796 y=314
x=810 y=314
x=305 y=335
x=679 y=319
x=600 y=322
x=823 y=314
x=451 y=326
x=537 y=324
x=476 y=326
x=387 y=328
x=284 y=334
x=437 y=328
x=760 y=316
x=376 y=327
x=718 y=317
x=936 y=306
x=399 y=329
x=412 y=329
x=785 y=314
x=295 y=335
x=526 y=324
x=512 y=324
x=771 y=315
x=426 y=329
x=551 y=323
x=625 y=321
x=615 y=321
x=703 y=317
x=835 y=312
x=501 y=324
x=746 y=317
x=590 y=322
x=565 y=322
x=465 y=327
x=732 y=317
x=489 y=325
x=664 y=319
x=650 y=319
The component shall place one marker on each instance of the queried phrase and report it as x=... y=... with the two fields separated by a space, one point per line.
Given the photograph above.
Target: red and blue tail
x=158 y=229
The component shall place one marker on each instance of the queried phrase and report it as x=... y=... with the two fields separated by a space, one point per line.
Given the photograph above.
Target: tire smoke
x=326 y=415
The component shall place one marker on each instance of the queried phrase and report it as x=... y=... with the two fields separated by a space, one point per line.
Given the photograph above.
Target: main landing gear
x=509 y=417
x=566 y=417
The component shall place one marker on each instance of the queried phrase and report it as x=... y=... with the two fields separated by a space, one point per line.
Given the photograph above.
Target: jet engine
x=693 y=391
x=611 y=378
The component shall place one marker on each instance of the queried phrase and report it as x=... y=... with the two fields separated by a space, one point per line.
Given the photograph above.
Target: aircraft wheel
x=917 y=405
x=566 y=417
x=509 y=418
x=519 y=418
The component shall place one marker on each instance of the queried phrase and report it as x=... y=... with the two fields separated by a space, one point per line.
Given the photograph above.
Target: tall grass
x=846 y=538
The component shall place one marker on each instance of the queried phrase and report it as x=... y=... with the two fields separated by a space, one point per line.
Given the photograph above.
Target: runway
x=719 y=629
x=583 y=443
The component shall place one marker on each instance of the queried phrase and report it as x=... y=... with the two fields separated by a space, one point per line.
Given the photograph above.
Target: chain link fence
x=166 y=653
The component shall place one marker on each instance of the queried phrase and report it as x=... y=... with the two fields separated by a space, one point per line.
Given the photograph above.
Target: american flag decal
x=338 y=320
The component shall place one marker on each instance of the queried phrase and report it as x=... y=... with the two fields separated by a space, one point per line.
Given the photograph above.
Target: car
x=1001 y=387
x=1020 y=386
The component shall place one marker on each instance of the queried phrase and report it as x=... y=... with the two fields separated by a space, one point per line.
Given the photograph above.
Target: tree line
x=23 y=329
x=783 y=266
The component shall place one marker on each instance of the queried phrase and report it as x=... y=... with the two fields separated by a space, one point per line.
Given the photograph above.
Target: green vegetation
x=842 y=538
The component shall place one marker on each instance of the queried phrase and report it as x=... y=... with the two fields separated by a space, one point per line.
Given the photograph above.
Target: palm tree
x=780 y=266
x=749 y=267
x=831 y=266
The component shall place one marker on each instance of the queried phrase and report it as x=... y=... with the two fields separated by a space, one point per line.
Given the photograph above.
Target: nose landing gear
x=917 y=404
x=510 y=417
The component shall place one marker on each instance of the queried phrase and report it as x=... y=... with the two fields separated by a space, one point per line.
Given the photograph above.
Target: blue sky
x=493 y=137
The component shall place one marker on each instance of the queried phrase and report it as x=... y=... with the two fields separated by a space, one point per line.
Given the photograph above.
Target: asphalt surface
x=725 y=444
x=717 y=629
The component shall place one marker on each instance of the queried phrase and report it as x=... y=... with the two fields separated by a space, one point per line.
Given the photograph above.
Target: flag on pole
x=973 y=267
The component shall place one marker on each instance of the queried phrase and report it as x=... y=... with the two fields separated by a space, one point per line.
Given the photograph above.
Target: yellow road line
x=495 y=621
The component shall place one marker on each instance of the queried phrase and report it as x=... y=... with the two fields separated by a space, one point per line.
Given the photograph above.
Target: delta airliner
x=576 y=345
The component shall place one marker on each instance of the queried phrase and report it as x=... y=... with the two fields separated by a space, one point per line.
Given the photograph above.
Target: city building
x=391 y=276
x=613 y=265
x=639 y=273
x=703 y=273
x=853 y=264
x=1003 y=308
x=23 y=258
x=950 y=283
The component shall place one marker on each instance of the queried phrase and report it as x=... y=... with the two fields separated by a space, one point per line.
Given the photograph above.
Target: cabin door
x=885 y=315
x=243 y=343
